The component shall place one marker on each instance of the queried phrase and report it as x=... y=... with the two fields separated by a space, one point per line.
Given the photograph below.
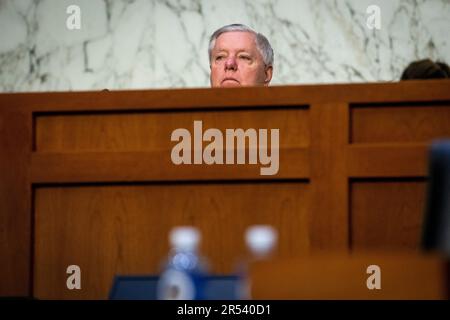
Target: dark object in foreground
x=145 y=288
x=436 y=230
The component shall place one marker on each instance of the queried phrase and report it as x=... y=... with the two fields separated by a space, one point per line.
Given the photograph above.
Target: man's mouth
x=230 y=79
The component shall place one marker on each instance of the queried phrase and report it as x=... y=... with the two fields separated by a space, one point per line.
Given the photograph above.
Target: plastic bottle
x=261 y=241
x=184 y=271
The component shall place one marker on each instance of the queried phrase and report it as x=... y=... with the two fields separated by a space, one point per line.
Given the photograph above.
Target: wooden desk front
x=381 y=275
x=86 y=178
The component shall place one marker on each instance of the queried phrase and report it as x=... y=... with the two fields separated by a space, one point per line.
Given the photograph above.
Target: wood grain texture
x=230 y=98
x=387 y=160
x=329 y=181
x=15 y=202
x=341 y=277
x=387 y=214
x=152 y=131
x=155 y=166
x=400 y=124
x=88 y=143
x=123 y=229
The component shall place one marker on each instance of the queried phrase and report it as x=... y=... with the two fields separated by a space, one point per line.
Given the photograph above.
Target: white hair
x=262 y=43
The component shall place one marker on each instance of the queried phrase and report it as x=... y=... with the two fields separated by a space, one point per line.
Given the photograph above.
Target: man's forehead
x=237 y=40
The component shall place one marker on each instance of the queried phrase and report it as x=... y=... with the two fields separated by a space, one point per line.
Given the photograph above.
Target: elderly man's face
x=236 y=61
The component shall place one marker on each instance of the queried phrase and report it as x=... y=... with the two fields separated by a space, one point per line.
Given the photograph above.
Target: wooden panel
x=387 y=160
x=428 y=90
x=15 y=202
x=387 y=215
x=328 y=176
x=102 y=137
x=155 y=166
x=152 y=131
x=338 y=277
x=405 y=124
x=123 y=229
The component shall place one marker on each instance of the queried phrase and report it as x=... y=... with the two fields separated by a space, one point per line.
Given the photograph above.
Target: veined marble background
x=139 y=44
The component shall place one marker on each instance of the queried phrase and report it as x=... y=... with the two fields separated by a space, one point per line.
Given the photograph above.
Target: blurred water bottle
x=261 y=241
x=183 y=276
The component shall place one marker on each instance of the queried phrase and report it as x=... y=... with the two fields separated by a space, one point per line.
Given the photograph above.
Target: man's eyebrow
x=218 y=52
x=245 y=51
x=239 y=51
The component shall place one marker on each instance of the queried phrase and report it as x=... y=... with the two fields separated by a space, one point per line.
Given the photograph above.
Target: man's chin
x=230 y=84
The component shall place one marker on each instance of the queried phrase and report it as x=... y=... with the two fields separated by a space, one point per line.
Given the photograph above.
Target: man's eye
x=218 y=58
x=247 y=58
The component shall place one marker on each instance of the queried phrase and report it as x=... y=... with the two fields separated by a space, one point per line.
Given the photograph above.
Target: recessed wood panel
x=387 y=215
x=397 y=124
x=108 y=230
x=152 y=131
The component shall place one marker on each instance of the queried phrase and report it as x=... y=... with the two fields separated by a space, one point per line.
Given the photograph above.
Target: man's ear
x=268 y=75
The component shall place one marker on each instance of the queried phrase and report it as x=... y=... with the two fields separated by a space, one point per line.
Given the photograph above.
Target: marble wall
x=137 y=44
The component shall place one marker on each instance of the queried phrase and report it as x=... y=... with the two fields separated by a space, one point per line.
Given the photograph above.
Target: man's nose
x=230 y=64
